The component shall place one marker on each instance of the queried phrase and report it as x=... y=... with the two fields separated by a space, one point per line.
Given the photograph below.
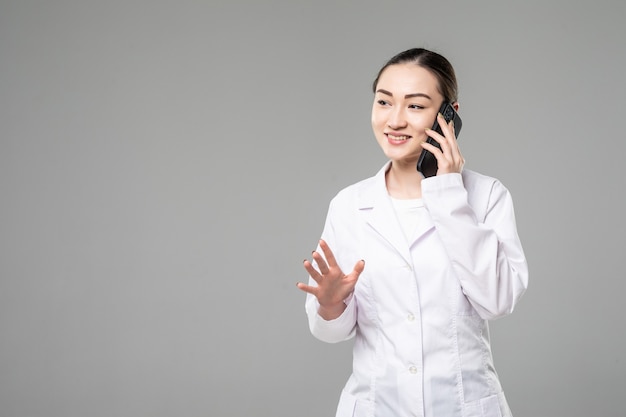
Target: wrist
x=331 y=312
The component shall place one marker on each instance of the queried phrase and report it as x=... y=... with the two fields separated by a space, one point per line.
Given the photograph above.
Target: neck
x=403 y=181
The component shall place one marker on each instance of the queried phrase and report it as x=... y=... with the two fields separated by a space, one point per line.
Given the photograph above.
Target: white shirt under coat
x=421 y=307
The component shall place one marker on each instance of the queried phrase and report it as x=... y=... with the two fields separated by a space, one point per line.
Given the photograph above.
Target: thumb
x=359 y=267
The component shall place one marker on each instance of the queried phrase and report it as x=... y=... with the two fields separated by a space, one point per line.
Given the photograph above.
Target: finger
x=359 y=267
x=457 y=157
x=447 y=144
x=441 y=140
x=434 y=135
x=434 y=148
x=353 y=277
x=446 y=127
x=450 y=145
x=313 y=273
x=438 y=153
x=448 y=160
x=452 y=135
x=307 y=288
x=321 y=264
x=449 y=138
x=444 y=162
x=455 y=150
x=330 y=258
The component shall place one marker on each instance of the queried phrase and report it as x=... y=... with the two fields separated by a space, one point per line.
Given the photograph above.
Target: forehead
x=405 y=79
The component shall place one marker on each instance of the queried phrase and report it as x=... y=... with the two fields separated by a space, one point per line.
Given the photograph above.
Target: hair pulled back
x=438 y=65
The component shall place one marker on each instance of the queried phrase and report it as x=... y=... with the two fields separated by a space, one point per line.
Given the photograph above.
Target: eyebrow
x=380 y=90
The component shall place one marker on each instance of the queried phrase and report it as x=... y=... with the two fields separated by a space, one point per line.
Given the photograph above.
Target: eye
x=415 y=106
x=383 y=102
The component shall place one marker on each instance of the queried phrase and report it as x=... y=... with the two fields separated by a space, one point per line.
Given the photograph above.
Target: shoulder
x=352 y=194
x=363 y=193
x=357 y=188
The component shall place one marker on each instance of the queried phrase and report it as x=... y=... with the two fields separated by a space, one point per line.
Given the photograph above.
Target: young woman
x=415 y=267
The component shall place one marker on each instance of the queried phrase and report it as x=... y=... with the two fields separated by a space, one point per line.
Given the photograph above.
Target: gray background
x=165 y=167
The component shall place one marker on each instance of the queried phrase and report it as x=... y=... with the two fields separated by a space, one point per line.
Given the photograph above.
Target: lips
x=395 y=138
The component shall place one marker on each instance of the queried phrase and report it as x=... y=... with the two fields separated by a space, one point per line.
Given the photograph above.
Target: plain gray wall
x=165 y=167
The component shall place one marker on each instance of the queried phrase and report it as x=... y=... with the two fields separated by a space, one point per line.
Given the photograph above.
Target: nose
x=397 y=118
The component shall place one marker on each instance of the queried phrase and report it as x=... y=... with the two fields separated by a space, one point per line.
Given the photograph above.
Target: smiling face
x=406 y=102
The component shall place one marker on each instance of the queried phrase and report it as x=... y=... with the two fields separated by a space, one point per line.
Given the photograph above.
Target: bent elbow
x=506 y=299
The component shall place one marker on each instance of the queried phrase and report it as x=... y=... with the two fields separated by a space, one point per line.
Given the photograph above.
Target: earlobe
x=456 y=105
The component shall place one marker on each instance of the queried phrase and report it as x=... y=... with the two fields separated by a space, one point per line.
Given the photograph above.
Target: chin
x=402 y=157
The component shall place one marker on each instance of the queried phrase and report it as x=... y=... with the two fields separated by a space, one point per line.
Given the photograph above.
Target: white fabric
x=420 y=308
x=410 y=214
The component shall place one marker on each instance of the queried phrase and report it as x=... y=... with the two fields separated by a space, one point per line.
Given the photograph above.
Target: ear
x=456 y=105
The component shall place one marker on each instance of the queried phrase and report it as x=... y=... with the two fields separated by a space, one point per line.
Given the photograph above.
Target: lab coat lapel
x=377 y=210
x=426 y=224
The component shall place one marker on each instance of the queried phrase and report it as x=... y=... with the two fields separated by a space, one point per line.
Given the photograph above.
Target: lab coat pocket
x=487 y=407
x=350 y=406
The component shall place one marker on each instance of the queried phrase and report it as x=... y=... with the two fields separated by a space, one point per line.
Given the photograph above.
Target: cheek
x=427 y=120
x=377 y=120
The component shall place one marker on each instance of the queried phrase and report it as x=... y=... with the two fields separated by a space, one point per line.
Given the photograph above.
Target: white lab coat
x=420 y=308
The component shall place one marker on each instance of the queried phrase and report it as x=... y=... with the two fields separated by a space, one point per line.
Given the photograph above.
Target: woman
x=415 y=267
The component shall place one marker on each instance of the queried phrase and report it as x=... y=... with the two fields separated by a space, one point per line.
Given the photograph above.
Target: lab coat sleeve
x=344 y=326
x=482 y=242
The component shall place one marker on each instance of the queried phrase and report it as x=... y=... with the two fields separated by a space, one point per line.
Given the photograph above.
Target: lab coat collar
x=376 y=206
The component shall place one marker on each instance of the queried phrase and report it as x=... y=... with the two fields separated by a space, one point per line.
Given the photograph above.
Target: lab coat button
x=413 y=369
x=410 y=317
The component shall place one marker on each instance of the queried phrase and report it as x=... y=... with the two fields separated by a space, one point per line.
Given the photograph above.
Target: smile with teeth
x=392 y=137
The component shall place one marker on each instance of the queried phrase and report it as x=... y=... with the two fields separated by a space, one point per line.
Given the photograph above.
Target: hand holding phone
x=427 y=163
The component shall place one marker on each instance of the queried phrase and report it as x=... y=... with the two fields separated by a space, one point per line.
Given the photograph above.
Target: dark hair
x=439 y=66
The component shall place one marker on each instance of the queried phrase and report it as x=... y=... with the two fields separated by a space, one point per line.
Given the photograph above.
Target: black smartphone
x=427 y=163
